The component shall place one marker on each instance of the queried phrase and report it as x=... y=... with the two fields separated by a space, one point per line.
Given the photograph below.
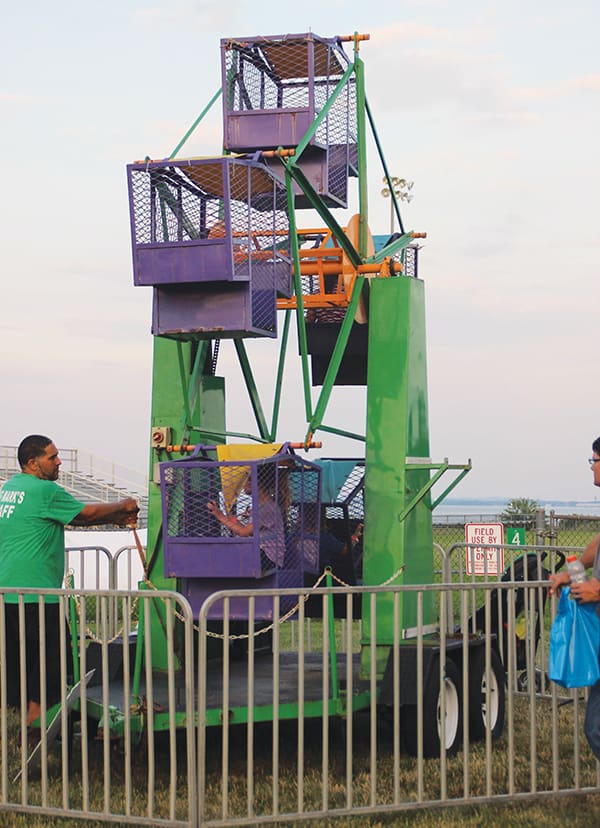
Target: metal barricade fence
x=438 y=722
x=109 y=693
x=96 y=573
x=514 y=565
x=95 y=567
x=412 y=706
x=127 y=568
x=91 y=567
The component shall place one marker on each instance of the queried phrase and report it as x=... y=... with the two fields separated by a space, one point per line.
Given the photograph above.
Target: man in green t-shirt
x=33 y=513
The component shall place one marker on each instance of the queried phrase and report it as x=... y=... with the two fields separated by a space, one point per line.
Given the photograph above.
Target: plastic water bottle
x=576 y=570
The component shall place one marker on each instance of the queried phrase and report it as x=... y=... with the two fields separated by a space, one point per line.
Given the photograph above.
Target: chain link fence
x=541 y=528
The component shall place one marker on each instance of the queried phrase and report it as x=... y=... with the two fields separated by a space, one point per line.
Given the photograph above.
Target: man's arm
x=122 y=513
x=587 y=559
x=589 y=553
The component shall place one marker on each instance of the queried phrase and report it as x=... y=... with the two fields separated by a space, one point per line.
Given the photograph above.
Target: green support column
x=207 y=411
x=397 y=433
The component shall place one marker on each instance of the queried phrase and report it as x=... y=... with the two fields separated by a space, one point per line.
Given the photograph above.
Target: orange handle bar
x=175 y=449
x=278 y=153
x=349 y=38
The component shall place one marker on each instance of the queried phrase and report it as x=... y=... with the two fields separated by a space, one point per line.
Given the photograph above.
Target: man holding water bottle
x=586 y=592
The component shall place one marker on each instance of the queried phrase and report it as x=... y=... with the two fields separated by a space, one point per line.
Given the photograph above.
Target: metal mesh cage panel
x=225 y=520
x=351 y=493
x=278 y=72
x=169 y=206
x=410 y=261
x=187 y=201
x=334 y=129
x=237 y=203
x=293 y=73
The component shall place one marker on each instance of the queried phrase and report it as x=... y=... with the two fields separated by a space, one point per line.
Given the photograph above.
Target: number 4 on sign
x=516 y=536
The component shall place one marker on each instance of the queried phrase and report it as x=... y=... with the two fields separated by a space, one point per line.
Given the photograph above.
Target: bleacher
x=89 y=478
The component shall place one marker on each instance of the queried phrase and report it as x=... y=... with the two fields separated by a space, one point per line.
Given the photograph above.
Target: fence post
x=553 y=532
x=540 y=527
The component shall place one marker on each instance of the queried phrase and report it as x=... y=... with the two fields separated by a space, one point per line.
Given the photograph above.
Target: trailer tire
x=478 y=697
x=431 y=714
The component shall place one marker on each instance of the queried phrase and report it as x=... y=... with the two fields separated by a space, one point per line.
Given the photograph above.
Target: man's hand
x=557 y=581
x=128 y=509
x=587 y=592
x=122 y=513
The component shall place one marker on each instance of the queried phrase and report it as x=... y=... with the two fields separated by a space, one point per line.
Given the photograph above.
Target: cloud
x=587 y=84
x=414 y=35
x=202 y=15
x=461 y=70
x=451 y=83
x=19 y=98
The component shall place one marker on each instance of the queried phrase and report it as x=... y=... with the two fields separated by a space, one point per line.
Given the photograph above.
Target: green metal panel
x=204 y=399
x=397 y=434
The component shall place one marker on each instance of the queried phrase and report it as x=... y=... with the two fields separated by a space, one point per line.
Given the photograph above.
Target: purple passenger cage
x=212 y=237
x=278 y=501
x=274 y=89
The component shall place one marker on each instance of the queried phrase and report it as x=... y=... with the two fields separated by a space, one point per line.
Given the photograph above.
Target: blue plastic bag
x=574 y=643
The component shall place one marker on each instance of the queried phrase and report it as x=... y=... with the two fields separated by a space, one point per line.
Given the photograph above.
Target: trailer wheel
x=486 y=709
x=432 y=704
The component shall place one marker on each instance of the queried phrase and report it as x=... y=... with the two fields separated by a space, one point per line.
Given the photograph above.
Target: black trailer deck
x=240 y=686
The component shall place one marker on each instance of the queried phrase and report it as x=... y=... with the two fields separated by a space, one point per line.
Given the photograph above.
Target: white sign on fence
x=479 y=560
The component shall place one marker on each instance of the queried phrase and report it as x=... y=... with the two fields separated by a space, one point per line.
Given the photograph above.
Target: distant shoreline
x=504 y=501
x=469 y=507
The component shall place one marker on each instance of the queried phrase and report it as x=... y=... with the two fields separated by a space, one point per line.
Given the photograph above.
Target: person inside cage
x=239 y=240
x=270 y=517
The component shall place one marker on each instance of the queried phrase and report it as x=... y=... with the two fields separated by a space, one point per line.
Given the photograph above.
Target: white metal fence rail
x=99 y=759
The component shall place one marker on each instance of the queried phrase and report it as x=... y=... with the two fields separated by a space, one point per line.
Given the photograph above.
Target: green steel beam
x=399 y=244
x=440 y=470
x=279 y=378
x=465 y=470
x=178 y=385
x=197 y=371
x=187 y=413
x=336 y=359
x=363 y=195
x=300 y=320
x=251 y=388
x=221 y=436
x=342 y=432
x=324 y=112
x=214 y=98
x=396 y=540
x=326 y=214
x=384 y=165
x=424 y=489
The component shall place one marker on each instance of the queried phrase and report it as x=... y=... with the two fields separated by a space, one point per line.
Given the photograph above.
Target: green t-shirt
x=33 y=514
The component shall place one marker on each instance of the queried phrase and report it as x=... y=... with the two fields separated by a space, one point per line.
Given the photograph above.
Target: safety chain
x=70 y=582
x=256 y=633
x=303 y=599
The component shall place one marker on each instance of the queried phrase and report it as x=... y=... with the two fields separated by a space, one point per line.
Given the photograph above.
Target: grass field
x=553 y=810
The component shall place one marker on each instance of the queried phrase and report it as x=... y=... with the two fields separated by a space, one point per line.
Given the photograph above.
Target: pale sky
x=491 y=108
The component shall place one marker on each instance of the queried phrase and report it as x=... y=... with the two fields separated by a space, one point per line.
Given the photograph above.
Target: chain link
x=70 y=583
x=302 y=600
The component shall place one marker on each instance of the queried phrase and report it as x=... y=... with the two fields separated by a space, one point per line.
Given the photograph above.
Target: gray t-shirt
x=596 y=567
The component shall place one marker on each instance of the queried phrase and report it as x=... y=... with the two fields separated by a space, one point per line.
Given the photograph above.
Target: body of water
x=486 y=508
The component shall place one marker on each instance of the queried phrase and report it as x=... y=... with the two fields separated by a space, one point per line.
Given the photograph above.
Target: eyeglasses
x=593 y=460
